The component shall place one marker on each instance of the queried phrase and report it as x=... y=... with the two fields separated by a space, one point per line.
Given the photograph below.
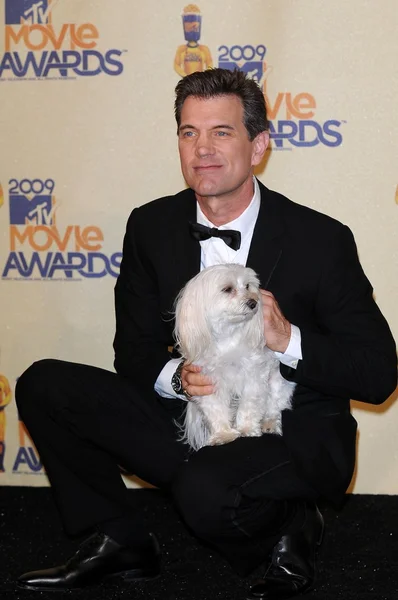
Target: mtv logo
x=39 y=210
x=253 y=68
x=33 y=12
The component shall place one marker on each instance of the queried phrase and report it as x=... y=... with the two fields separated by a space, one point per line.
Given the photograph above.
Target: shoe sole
x=124 y=576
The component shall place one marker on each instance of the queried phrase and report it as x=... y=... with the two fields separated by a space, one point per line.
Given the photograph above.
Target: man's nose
x=204 y=145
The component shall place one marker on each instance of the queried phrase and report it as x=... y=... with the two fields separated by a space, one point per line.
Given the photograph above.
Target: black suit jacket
x=309 y=262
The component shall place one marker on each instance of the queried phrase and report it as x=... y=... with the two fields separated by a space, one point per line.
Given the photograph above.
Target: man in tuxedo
x=255 y=499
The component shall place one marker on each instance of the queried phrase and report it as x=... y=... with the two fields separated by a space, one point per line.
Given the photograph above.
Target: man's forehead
x=231 y=99
x=225 y=105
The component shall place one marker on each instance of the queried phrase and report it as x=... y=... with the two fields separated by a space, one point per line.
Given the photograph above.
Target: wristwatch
x=176 y=382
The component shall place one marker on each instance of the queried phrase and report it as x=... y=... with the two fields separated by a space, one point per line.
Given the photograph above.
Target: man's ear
x=260 y=145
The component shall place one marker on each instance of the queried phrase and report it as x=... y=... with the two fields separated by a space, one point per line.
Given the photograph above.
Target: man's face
x=216 y=154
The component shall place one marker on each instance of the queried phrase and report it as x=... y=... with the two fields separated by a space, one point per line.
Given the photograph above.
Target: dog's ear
x=191 y=328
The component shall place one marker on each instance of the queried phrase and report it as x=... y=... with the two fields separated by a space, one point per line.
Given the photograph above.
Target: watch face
x=176 y=383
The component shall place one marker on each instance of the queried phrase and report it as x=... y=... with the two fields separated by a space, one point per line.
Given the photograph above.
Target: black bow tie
x=229 y=236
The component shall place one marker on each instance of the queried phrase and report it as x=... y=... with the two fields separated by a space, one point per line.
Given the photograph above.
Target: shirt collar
x=245 y=222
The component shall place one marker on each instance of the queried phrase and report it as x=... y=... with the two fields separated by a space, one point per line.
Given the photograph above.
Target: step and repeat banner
x=88 y=132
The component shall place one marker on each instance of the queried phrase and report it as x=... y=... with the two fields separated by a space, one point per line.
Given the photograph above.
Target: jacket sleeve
x=352 y=353
x=142 y=337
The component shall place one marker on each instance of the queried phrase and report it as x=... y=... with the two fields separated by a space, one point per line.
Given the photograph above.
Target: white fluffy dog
x=219 y=326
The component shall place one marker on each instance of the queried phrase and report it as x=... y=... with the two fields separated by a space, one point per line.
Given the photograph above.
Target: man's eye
x=221 y=133
x=187 y=134
x=228 y=289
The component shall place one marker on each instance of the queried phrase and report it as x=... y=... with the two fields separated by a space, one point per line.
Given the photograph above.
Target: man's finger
x=192 y=368
x=197 y=379
x=266 y=293
x=199 y=390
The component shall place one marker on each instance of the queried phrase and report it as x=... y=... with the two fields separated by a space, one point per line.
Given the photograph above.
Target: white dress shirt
x=215 y=251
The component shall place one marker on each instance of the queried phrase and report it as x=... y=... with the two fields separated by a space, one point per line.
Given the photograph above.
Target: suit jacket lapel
x=185 y=250
x=267 y=243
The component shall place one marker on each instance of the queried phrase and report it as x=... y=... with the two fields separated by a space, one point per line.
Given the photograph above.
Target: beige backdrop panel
x=108 y=143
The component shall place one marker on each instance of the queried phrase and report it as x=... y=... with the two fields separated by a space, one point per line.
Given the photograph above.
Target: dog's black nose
x=251 y=303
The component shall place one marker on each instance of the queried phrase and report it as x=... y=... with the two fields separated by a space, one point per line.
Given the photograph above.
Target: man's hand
x=277 y=329
x=194 y=382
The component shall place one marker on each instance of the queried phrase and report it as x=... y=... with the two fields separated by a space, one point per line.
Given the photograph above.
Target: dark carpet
x=358 y=559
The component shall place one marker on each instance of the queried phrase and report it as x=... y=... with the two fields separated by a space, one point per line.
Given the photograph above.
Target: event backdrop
x=87 y=133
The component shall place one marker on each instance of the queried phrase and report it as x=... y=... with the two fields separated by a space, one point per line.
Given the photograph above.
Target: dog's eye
x=247 y=286
x=228 y=289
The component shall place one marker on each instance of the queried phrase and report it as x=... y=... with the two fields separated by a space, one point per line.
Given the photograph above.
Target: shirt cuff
x=163 y=382
x=293 y=353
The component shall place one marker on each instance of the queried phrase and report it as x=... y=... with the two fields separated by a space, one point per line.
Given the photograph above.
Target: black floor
x=358 y=560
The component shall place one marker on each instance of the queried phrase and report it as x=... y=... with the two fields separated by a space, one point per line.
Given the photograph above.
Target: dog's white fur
x=219 y=326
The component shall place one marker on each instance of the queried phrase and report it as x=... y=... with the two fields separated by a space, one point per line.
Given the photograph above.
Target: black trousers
x=87 y=423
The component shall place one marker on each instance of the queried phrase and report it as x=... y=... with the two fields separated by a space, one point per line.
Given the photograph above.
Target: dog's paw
x=271 y=426
x=223 y=437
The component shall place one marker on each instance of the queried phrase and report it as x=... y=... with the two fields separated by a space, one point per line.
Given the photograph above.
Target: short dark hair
x=222 y=82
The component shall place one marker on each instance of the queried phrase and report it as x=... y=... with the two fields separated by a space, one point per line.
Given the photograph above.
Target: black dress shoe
x=293 y=562
x=98 y=558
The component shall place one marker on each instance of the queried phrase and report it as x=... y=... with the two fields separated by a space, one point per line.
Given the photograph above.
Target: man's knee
x=31 y=385
x=203 y=499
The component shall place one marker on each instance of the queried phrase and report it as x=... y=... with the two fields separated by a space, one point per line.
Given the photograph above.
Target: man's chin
x=204 y=185
x=207 y=189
